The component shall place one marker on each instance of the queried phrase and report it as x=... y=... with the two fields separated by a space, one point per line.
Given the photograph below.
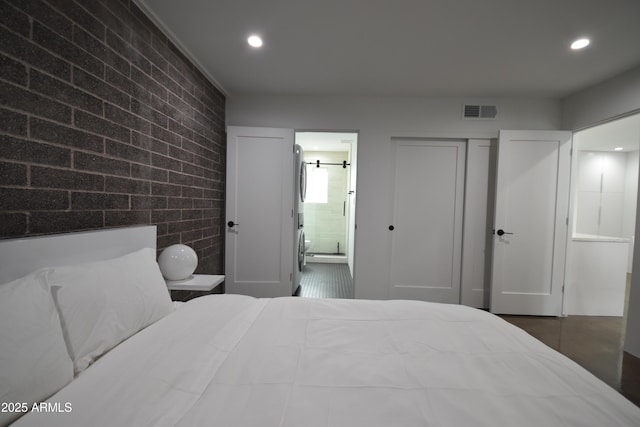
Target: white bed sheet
x=229 y=360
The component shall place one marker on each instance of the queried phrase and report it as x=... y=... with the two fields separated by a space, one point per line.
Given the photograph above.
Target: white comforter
x=230 y=360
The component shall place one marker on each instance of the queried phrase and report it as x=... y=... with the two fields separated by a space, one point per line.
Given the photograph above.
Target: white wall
x=630 y=193
x=612 y=98
x=600 y=193
x=378 y=119
x=615 y=97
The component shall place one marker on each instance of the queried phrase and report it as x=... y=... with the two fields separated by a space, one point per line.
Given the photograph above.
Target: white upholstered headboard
x=19 y=257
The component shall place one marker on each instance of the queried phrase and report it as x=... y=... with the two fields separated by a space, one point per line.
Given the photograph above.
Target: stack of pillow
x=55 y=322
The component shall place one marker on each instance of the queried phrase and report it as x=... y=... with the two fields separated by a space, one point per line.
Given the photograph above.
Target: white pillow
x=103 y=303
x=34 y=362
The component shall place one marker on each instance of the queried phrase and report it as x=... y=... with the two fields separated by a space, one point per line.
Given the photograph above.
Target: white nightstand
x=196 y=285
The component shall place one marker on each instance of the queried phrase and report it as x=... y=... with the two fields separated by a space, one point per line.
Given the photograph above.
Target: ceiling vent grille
x=479 y=112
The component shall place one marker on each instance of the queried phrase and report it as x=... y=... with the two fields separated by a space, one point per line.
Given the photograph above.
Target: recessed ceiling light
x=580 y=44
x=617 y=149
x=254 y=41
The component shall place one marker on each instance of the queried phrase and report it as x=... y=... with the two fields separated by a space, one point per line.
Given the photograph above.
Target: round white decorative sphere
x=178 y=262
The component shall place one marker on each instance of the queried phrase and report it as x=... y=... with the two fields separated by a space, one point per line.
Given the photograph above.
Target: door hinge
x=290 y=277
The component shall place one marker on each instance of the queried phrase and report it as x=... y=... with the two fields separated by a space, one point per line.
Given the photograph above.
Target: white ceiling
x=623 y=133
x=404 y=47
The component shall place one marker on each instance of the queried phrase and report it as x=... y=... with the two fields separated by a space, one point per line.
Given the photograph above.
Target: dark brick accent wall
x=104 y=123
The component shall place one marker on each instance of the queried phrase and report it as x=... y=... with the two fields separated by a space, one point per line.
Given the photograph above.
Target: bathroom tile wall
x=326 y=223
x=606 y=193
x=104 y=123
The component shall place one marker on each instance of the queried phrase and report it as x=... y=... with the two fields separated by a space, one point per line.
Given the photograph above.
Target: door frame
x=352 y=228
x=572 y=199
x=570 y=227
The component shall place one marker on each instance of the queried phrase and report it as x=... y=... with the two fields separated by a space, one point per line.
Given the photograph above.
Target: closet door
x=426 y=241
x=259 y=212
x=477 y=242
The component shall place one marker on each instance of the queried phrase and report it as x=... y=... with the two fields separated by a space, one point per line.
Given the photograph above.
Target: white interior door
x=532 y=200
x=427 y=220
x=259 y=212
x=479 y=202
x=351 y=219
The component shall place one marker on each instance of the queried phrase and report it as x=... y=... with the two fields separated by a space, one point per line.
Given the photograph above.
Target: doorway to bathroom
x=604 y=199
x=329 y=213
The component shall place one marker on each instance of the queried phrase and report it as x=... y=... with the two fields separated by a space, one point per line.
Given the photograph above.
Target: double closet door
x=450 y=195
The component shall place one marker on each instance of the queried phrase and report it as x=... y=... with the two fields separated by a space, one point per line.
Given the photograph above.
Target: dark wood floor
x=596 y=343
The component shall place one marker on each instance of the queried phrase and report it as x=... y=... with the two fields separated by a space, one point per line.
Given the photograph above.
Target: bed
x=95 y=340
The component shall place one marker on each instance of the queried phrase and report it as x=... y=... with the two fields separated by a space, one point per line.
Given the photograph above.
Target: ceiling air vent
x=479 y=112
